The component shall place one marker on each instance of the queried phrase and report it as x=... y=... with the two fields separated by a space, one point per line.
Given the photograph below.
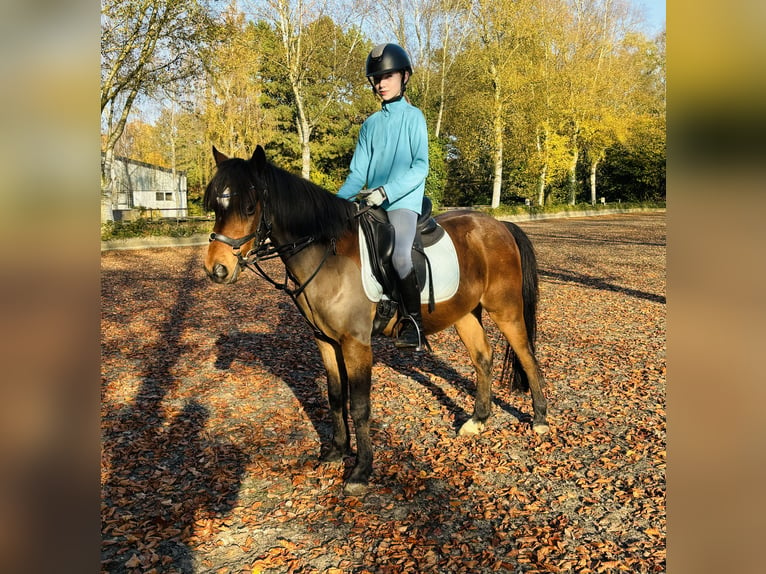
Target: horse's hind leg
x=337 y=393
x=472 y=334
x=516 y=334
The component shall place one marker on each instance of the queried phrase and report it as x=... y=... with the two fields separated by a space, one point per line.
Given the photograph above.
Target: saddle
x=379 y=235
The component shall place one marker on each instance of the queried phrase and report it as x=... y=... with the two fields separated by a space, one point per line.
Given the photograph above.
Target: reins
x=266 y=250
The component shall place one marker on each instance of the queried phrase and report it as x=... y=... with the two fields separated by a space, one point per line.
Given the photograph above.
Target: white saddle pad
x=444 y=265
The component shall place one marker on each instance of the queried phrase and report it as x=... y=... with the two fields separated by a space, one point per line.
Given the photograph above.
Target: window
x=163 y=196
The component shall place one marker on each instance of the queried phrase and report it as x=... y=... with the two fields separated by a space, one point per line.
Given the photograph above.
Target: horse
x=262 y=210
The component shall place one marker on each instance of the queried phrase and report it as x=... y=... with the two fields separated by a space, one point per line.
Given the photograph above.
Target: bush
x=154 y=228
x=565 y=208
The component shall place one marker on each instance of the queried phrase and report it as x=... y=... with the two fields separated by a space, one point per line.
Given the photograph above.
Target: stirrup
x=422 y=343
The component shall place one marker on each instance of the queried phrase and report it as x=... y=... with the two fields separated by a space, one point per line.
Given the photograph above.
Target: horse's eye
x=250 y=208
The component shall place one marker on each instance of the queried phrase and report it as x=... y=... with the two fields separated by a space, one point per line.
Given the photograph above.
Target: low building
x=144 y=189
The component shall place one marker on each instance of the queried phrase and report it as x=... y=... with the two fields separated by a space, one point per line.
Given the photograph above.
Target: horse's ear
x=259 y=158
x=219 y=157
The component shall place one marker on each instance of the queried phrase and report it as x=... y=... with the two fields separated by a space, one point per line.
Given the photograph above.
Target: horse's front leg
x=337 y=393
x=357 y=358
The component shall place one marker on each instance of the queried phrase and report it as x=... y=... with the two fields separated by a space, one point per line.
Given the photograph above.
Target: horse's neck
x=296 y=252
x=303 y=263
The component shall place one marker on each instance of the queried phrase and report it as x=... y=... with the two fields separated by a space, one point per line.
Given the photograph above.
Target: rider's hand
x=375 y=196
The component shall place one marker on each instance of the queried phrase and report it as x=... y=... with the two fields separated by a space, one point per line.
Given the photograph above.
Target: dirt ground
x=214 y=409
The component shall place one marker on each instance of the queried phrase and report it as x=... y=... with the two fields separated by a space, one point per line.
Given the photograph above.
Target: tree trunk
x=108 y=199
x=107 y=205
x=542 y=180
x=442 y=90
x=173 y=139
x=497 y=181
x=593 y=167
x=439 y=117
x=304 y=132
x=573 y=175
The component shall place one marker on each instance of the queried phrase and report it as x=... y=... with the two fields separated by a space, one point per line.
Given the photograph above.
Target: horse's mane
x=296 y=205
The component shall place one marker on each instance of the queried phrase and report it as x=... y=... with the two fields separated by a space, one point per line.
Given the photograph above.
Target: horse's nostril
x=220 y=271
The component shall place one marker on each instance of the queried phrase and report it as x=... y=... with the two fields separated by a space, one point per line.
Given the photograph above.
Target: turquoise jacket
x=392 y=151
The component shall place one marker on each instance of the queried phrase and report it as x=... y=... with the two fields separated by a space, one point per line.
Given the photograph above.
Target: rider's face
x=388 y=85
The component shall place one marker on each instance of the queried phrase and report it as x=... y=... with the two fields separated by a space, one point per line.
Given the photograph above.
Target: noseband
x=235 y=244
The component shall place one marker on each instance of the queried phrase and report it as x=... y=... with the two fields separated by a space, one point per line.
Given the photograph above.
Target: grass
x=154 y=228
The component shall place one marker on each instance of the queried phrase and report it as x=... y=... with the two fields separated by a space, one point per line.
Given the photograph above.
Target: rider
x=390 y=165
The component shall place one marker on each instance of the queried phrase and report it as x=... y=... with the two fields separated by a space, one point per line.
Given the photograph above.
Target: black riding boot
x=411 y=323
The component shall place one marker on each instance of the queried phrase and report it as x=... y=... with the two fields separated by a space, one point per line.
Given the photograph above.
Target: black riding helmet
x=386 y=58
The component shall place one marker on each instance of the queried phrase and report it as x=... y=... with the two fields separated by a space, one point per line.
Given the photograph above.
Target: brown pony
x=264 y=211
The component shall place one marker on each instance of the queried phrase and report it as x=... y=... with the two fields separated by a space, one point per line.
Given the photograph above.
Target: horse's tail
x=512 y=365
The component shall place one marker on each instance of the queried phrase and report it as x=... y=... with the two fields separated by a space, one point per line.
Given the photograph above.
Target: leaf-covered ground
x=214 y=409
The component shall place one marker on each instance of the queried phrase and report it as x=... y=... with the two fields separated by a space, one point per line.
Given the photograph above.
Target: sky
x=654 y=14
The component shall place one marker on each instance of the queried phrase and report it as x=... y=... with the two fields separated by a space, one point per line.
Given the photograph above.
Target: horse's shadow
x=421 y=366
x=278 y=351
x=305 y=383
x=272 y=351
x=163 y=472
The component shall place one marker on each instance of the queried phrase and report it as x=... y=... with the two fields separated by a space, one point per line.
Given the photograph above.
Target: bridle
x=266 y=248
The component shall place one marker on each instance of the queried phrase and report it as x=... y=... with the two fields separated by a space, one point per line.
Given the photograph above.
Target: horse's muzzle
x=220 y=274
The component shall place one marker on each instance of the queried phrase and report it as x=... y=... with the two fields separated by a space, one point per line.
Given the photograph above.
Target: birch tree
x=145 y=45
x=236 y=109
x=504 y=29
x=448 y=29
x=595 y=30
x=320 y=58
x=546 y=94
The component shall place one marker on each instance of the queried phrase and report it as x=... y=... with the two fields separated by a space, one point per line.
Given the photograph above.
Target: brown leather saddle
x=379 y=234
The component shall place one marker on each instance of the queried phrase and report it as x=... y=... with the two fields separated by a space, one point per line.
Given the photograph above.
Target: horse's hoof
x=333 y=454
x=541 y=428
x=471 y=427
x=355 y=489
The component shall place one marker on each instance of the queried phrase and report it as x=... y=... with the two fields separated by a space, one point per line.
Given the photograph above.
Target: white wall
x=142 y=185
